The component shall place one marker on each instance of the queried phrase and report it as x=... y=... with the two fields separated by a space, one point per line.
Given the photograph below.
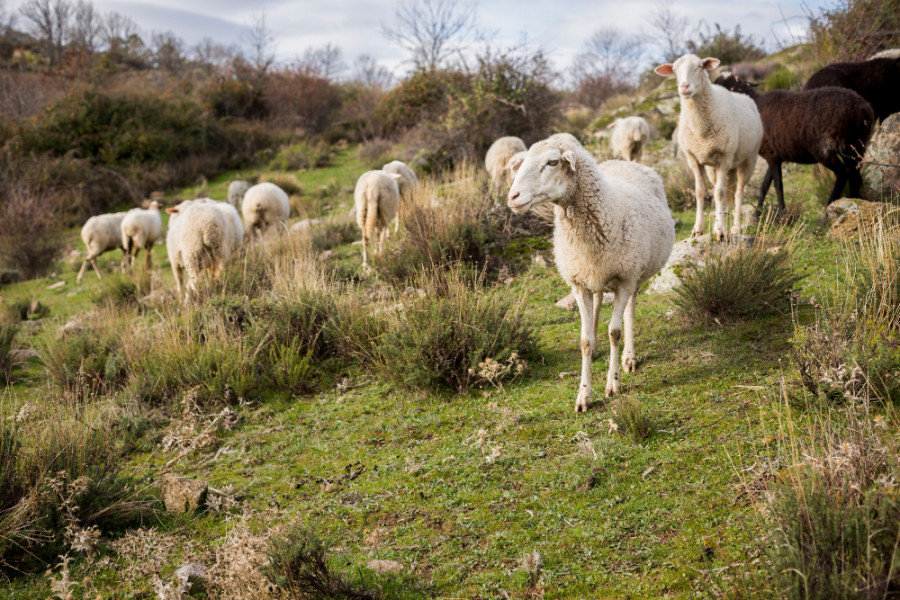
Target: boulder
x=384 y=566
x=306 y=224
x=689 y=250
x=21 y=355
x=182 y=494
x=881 y=165
x=70 y=328
x=192 y=578
x=847 y=217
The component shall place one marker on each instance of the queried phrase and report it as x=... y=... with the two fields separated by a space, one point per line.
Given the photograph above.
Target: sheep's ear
x=569 y=157
x=710 y=63
x=613 y=124
x=665 y=70
x=516 y=163
x=173 y=210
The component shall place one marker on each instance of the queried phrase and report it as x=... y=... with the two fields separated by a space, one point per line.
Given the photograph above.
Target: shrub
x=737 y=283
x=782 y=78
x=375 y=153
x=123 y=289
x=633 y=418
x=285 y=181
x=443 y=339
x=87 y=361
x=7 y=340
x=853 y=30
x=30 y=237
x=303 y=155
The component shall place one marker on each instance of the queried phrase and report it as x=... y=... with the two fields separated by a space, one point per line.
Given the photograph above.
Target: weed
x=302 y=155
x=7 y=340
x=634 y=418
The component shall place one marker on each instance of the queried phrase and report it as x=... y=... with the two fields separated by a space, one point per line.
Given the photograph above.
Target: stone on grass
x=385 y=566
x=192 y=578
x=881 y=165
x=182 y=494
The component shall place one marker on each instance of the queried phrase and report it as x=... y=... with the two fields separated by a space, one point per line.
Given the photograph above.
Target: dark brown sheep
x=830 y=126
x=877 y=80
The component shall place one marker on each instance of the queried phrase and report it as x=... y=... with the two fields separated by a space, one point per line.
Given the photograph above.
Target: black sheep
x=829 y=125
x=877 y=80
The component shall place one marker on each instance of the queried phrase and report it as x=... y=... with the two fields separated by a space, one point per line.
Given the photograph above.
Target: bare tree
x=212 y=55
x=610 y=53
x=669 y=30
x=432 y=30
x=369 y=73
x=168 y=51
x=117 y=30
x=86 y=27
x=49 y=21
x=326 y=61
x=261 y=44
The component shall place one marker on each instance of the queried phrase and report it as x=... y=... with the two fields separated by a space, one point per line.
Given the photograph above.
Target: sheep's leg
x=96 y=268
x=855 y=182
x=149 y=258
x=840 y=181
x=779 y=187
x=83 y=268
x=615 y=336
x=629 y=360
x=584 y=297
x=739 y=200
x=178 y=272
x=365 y=243
x=598 y=304
x=764 y=189
x=699 y=194
x=719 y=197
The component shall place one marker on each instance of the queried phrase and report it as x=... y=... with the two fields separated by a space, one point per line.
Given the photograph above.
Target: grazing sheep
x=498 y=156
x=613 y=231
x=100 y=234
x=197 y=241
x=235 y=228
x=376 y=200
x=265 y=205
x=628 y=138
x=140 y=230
x=830 y=126
x=408 y=183
x=716 y=128
x=236 y=191
x=875 y=79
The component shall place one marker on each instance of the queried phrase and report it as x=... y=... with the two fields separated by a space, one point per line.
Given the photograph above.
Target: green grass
x=460 y=487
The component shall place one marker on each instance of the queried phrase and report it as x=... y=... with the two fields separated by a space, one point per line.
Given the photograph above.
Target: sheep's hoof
x=583 y=402
x=612 y=385
x=695 y=233
x=629 y=365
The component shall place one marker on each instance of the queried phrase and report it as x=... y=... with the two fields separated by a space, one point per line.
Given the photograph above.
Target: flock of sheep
x=613 y=227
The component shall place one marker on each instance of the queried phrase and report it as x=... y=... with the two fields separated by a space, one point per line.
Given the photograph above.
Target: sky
x=356 y=25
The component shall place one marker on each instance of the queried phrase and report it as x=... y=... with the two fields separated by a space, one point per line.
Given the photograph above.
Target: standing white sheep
x=141 y=228
x=235 y=228
x=628 y=138
x=718 y=129
x=376 y=200
x=197 y=241
x=613 y=231
x=100 y=234
x=498 y=156
x=236 y=191
x=265 y=205
x=408 y=183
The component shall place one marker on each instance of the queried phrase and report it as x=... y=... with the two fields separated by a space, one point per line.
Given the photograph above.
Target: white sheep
x=498 y=156
x=197 y=241
x=613 y=231
x=376 y=200
x=629 y=135
x=408 y=183
x=265 y=205
x=235 y=227
x=100 y=234
x=141 y=228
x=717 y=129
x=236 y=191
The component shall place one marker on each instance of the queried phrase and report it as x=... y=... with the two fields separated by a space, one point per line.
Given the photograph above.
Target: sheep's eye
x=553 y=162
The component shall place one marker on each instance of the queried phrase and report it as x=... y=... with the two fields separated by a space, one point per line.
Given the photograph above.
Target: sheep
x=236 y=191
x=566 y=137
x=512 y=165
x=408 y=183
x=197 y=240
x=628 y=138
x=235 y=228
x=140 y=230
x=875 y=80
x=829 y=125
x=716 y=128
x=100 y=234
x=498 y=156
x=376 y=200
x=613 y=230
x=265 y=205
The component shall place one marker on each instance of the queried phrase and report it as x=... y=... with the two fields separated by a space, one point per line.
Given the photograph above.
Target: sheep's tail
x=127 y=243
x=637 y=135
x=212 y=248
x=371 y=216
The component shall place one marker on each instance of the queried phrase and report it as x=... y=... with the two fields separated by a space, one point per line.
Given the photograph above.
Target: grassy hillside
x=657 y=493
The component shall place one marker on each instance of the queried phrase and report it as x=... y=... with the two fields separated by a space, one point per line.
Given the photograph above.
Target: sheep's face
x=691 y=73
x=544 y=175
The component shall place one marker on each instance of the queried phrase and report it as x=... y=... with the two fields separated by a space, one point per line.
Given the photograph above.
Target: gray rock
x=539 y=260
x=839 y=210
x=70 y=328
x=306 y=224
x=748 y=216
x=157 y=297
x=193 y=578
x=21 y=355
x=881 y=165
x=182 y=494
x=56 y=286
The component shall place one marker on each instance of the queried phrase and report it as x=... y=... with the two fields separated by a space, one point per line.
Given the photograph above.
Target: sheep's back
x=103 y=230
x=500 y=152
x=376 y=190
x=267 y=196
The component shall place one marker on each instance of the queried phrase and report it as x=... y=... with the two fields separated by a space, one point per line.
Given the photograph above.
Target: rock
x=839 y=210
x=71 y=327
x=881 y=165
x=57 y=285
x=748 y=217
x=182 y=494
x=192 y=578
x=35 y=308
x=306 y=224
x=847 y=217
x=157 y=297
x=384 y=566
x=690 y=250
x=21 y=355
x=539 y=260
x=326 y=255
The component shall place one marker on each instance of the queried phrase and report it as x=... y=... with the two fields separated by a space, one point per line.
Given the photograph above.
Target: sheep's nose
x=513 y=196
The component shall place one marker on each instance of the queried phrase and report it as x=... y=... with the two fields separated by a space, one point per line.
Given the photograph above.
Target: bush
x=444 y=338
x=7 y=340
x=853 y=30
x=285 y=181
x=30 y=230
x=737 y=283
x=633 y=418
x=123 y=289
x=782 y=78
x=301 y=155
x=89 y=361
